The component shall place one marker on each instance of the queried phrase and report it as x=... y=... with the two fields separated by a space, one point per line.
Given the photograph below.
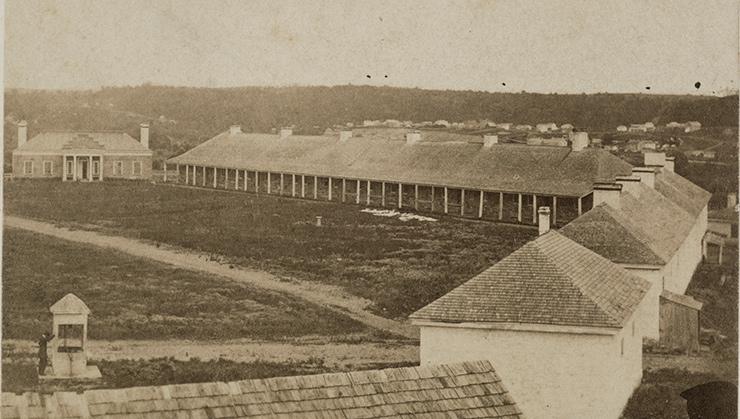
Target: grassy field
x=400 y=266
x=133 y=298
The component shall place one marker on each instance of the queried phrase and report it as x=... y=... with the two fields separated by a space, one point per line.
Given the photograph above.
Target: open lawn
x=133 y=298
x=399 y=265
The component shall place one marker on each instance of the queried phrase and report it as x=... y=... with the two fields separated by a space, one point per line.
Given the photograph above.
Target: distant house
x=546 y=127
x=567 y=127
x=551 y=316
x=692 y=126
x=441 y=123
x=504 y=125
x=702 y=154
x=639 y=146
x=621 y=128
x=649 y=126
x=674 y=125
x=393 y=123
x=82 y=155
x=638 y=128
x=523 y=127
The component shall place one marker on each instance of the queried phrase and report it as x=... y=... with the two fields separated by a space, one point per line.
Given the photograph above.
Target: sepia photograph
x=351 y=209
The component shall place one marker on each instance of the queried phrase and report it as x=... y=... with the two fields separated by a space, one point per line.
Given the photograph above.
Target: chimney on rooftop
x=578 y=140
x=609 y=193
x=285 y=133
x=22 y=133
x=670 y=164
x=731 y=200
x=489 y=140
x=345 y=135
x=144 y=134
x=654 y=159
x=544 y=219
x=629 y=183
x=413 y=137
x=235 y=129
x=646 y=175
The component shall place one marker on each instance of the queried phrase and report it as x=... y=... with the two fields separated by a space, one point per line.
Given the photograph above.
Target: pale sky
x=565 y=46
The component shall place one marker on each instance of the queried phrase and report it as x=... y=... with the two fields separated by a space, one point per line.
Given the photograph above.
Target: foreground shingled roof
x=470 y=390
x=60 y=141
x=439 y=159
x=551 y=280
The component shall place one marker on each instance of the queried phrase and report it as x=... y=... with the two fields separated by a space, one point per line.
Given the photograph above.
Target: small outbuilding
x=679 y=322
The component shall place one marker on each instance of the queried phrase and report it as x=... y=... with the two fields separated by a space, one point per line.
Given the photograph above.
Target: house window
x=118 y=168
x=48 y=168
x=96 y=168
x=27 y=167
x=137 y=168
x=70 y=338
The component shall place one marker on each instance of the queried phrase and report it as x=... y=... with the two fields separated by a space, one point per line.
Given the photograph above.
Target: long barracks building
x=430 y=171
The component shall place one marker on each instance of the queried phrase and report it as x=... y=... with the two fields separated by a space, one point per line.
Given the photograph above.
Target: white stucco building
x=652 y=224
x=558 y=322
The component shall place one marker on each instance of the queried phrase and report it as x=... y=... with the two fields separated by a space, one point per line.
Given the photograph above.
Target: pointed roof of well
x=69 y=304
x=551 y=280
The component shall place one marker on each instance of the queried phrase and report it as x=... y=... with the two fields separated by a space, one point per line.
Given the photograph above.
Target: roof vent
x=22 y=133
x=654 y=159
x=285 y=133
x=235 y=129
x=629 y=183
x=609 y=193
x=345 y=135
x=489 y=140
x=646 y=175
x=578 y=140
x=544 y=219
x=413 y=137
x=670 y=164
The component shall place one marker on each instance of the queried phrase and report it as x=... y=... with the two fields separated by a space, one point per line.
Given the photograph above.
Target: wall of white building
x=550 y=375
x=681 y=267
x=648 y=317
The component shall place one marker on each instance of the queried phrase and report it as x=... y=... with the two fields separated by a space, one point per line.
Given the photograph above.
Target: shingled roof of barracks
x=440 y=158
x=551 y=281
x=649 y=226
x=470 y=389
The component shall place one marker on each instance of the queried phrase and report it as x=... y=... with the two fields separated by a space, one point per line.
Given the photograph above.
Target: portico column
x=256 y=182
x=368 y=192
x=246 y=179
x=165 y=171
x=400 y=196
x=445 y=204
x=432 y=203
x=357 y=195
x=303 y=186
x=416 y=197
x=74 y=167
x=281 y=183
x=382 y=194
x=64 y=169
x=204 y=175
x=195 y=175
x=500 y=205
x=315 y=187
x=236 y=179
x=100 y=168
x=480 y=205
x=215 y=178
x=534 y=209
x=329 y=188
x=268 y=183
x=344 y=188
x=226 y=178
x=580 y=207
x=177 y=170
x=519 y=209
x=292 y=192
x=462 y=202
x=89 y=169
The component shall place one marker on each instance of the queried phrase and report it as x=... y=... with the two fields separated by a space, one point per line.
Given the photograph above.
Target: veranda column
x=89 y=169
x=368 y=192
x=215 y=178
x=445 y=206
x=480 y=205
x=500 y=205
x=226 y=178
x=462 y=202
x=74 y=167
x=100 y=169
x=292 y=192
x=519 y=209
x=721 y=250
x=357 y=195
x=195 y=174
x=344 y=188
x=256 y=182
x=382 y=194
x=268 y=183
x=281 y=183
x=303 y=186
x=64 y=169
x=554 y=210
x=432 y=203
x=204 y=175
x=416 y=197
x=177 y=170
x=329 y=188
x=580 y=207
x=400 y=196
x=236 y=179
x=315 y=187
x=534 y=209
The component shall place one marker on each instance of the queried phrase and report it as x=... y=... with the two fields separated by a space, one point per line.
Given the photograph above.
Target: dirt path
x=324 y=295
x=243 y=350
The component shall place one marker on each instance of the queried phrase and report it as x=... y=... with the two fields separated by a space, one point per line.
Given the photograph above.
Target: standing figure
x=43 y=358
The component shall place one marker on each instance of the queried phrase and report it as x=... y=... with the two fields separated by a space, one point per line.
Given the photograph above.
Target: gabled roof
x=551 y=280
x=648 y=227
x=61 y=141
x=684 y=300
x=470 y=389
x=69 y=304
x=681 y=191
x=439 y=159
x=607 y=232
